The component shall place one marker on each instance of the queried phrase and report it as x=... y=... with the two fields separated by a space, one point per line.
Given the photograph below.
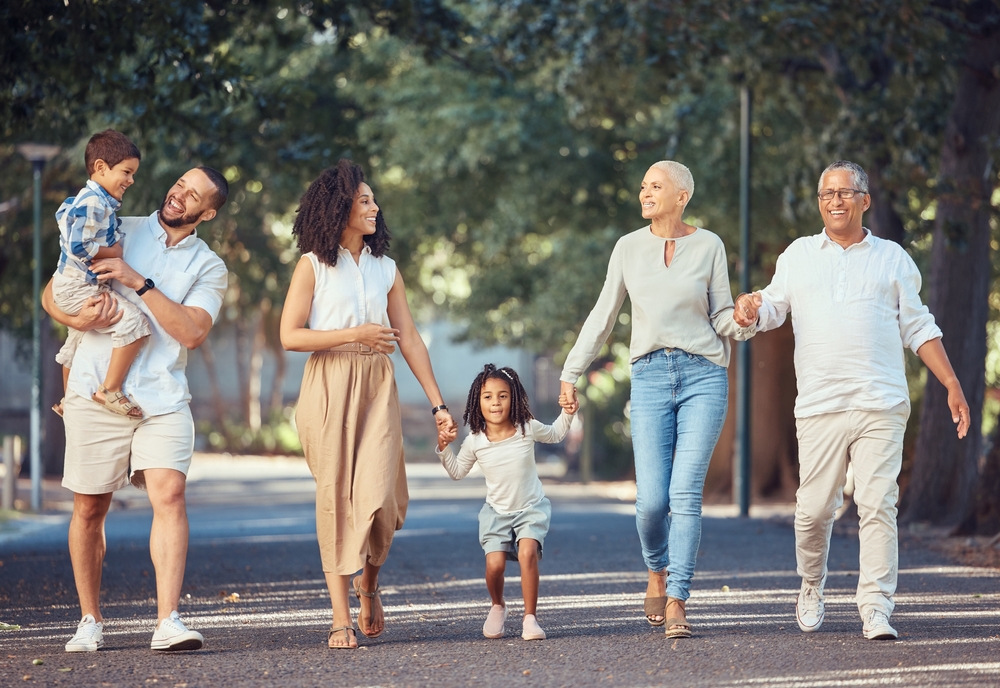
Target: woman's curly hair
x=325 y=208
x=520 y=414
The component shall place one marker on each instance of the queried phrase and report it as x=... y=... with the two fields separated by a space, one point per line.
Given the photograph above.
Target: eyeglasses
x=845 y=194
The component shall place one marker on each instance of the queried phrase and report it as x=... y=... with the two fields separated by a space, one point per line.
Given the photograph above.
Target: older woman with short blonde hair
x=676 y=276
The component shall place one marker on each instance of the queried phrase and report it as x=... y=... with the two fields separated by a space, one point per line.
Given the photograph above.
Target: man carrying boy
x=179 y=284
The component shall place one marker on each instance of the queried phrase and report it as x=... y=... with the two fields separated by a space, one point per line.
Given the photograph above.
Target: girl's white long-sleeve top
x=512 y=482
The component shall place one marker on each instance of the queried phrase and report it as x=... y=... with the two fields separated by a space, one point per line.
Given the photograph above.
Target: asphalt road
x=252 y=534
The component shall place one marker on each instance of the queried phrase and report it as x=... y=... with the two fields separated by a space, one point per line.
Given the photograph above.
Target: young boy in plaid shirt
x=88 y=230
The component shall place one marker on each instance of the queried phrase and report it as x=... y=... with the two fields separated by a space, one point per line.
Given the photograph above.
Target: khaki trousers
x=872 y=441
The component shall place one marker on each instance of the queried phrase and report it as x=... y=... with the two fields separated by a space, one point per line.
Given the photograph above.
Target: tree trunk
x=254 y=374
x=218 y=404
x=277 y=402
x=984 y=519
x=242 y=378
x=883 y=219
x=942 y=484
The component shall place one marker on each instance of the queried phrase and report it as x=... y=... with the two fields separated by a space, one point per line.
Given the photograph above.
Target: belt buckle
x=365 y=349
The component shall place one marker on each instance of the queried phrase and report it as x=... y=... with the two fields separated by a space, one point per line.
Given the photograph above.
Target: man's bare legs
x=86 y=549
x=168 y=537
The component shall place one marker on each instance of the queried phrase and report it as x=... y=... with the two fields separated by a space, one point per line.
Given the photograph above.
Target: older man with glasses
x=855 y=303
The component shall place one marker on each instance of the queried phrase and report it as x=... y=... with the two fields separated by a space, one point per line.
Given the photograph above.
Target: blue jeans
x=679 y=403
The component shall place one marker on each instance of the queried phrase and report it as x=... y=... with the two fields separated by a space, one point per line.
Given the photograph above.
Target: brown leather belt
x=353 y=348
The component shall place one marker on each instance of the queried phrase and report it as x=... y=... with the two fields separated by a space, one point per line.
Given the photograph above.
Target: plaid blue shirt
x=87 y=222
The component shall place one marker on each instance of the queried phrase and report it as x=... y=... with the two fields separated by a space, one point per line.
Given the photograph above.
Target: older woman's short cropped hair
x=678 y=174
x=857 y=173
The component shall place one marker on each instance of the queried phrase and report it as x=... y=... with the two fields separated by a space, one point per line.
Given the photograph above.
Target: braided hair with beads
x=520 y=413
x=325 y=209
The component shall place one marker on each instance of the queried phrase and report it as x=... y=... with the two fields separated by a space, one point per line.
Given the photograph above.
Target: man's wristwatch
x=147 y=285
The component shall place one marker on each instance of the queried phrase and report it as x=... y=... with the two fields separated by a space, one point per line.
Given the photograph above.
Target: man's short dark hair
x=221 y=194
x=110 y=146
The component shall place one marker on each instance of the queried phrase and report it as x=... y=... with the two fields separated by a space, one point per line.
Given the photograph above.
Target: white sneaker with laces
x=172 y=635
x=809 y=609
x=877 y=626
x=89 y=636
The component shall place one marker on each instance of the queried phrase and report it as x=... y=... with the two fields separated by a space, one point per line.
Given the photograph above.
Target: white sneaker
x=877 y=626
x=809 y=609
x=531 y=630
x=173 y=635
x=89 y=636
x=495 y=620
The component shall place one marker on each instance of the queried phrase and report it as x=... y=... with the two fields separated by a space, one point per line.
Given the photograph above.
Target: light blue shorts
x=501 y=532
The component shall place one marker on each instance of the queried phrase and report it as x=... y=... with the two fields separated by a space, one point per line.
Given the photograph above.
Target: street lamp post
x=37 y=154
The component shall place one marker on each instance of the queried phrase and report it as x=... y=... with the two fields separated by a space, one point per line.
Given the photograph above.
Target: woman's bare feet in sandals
x=117 y=402
x=341 y=638
x=677 y=623
x=371 y=618
x=656 y=597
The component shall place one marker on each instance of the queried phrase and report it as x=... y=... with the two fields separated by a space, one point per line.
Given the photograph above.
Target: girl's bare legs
x=496 y=562
x=527 y=557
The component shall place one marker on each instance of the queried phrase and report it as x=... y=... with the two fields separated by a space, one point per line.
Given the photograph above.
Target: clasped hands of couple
x=746 y=308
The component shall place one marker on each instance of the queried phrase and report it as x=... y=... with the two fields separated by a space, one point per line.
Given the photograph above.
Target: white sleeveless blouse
x=351 y=294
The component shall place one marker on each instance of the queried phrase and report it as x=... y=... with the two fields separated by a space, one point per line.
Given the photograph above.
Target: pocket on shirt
x=176 y=285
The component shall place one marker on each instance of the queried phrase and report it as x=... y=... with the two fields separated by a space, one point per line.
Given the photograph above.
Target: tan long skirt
x=349 y=425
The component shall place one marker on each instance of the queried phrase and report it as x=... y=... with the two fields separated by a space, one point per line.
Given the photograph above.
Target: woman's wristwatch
x=442 y=407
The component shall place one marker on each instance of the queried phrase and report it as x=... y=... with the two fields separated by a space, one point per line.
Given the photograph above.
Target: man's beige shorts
x=103 y=448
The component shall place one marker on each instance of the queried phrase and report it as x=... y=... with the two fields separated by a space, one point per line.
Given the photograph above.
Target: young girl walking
x=515 y=518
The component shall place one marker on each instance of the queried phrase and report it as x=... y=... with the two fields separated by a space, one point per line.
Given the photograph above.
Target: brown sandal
x=344 y=630
x=655 y=606
x=376 y=598
x=118 y=403
x=677 y=626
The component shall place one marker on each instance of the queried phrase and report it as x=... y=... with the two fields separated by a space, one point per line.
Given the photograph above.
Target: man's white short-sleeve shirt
x=189 y=273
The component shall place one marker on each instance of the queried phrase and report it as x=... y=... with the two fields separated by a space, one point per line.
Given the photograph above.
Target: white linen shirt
x=512 y=482
x=853 y=311
x=188 y=273
x=350 y=294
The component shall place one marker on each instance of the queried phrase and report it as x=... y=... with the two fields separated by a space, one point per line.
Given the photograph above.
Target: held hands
x=97 y=312
x=379 y=338
x=567 y=398
x=446 y=436
x=447 y=429
x=746 y=308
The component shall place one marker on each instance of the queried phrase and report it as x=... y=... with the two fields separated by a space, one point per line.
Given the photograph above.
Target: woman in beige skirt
x=347 y=304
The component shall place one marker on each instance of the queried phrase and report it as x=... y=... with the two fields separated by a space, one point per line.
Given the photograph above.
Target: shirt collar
x=103 y=193
x=367 y=250
x=161 y=234
x=825 y=240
